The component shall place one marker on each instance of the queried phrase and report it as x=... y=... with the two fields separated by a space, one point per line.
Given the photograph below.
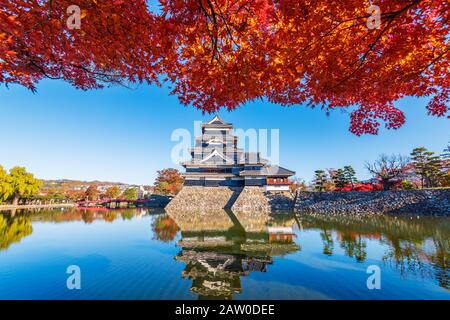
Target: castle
x=217 y=161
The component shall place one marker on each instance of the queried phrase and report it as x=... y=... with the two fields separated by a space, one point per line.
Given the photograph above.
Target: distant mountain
x=72 y=183
x=66 y=184
x=73 y=188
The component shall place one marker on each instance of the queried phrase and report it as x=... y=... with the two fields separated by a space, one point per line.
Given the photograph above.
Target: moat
x=150 y=254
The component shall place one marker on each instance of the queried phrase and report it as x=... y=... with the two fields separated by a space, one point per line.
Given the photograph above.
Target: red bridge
x=111 y=203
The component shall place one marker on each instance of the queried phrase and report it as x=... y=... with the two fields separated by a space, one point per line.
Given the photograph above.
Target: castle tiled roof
x=268 y=171
x=217 y=122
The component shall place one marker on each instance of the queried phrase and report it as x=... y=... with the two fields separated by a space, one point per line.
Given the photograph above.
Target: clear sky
x=124 y=135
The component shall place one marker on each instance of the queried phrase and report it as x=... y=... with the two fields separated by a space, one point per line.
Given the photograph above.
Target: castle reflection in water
x=220 y=247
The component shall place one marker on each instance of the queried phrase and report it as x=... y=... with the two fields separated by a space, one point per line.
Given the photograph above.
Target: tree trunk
x=16 y=200
x=386 y=185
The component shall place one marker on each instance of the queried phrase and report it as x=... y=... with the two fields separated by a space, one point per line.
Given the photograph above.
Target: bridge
x=157 y=201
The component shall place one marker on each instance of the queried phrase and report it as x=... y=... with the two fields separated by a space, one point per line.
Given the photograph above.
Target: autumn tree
x=92 y=192
x=427 y=165
x=75 y=195
x=5 y=185
x=164 y=228
x=297 y=184
x=130 y=194
x=23 y=184
x=112 y=192
x=224 y=53
x=168 y=182
x=54 y=192
x=388 y=169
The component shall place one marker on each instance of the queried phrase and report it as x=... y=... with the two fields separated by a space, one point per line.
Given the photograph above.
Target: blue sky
x=120 y=134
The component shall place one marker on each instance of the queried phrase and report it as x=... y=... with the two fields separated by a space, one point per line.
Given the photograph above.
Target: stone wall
x=247 y=199
x=257 y=199
x=193 y=198
x=280 y=200
x=251 y=199
x=416 y=202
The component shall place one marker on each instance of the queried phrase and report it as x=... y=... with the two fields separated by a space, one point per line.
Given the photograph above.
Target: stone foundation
x=416 y=202
x=257 y=199
x=251 y=199
x=247 y=199
x=192 y=198
x=280 y=200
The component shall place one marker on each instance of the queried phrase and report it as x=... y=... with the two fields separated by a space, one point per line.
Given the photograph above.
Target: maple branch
x=227 y=27
x=433 y=61
x=215 y=28
x=214 y=37
x=41 y=70
x=102 y=76
x=362 y=60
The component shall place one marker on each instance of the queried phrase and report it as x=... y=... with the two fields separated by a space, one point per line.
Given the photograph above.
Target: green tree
x=344 y=177
x=446 y=153
x=130 y=194
x=350 y=176
x=91 y=192
x=445 y=157
x=23 y=183
x=427 y=165
x=112 y=192
x=339 y=178
x=5 y=185
x=320 y=180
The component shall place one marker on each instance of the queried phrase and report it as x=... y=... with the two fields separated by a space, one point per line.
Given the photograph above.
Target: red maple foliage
x=361 y=187
x=224 y=53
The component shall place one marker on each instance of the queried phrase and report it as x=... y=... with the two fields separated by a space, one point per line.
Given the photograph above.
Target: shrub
x=407 y=185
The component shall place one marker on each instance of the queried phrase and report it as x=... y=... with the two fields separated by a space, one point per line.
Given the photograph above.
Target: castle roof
x=268 y=171
x=217 y=122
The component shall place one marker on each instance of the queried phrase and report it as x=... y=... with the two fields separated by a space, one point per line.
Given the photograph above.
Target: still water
x=144 y=254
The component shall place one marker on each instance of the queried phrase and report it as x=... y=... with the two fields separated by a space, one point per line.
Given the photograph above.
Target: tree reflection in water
x=16 y=224
x=414 y=246
x=13 y=229
x=220 y=247
x=328 y=243
x=164 y=228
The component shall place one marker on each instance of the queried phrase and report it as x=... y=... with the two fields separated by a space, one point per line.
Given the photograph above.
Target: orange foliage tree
x=168 y=182
x=224 y=53
x=164 y=228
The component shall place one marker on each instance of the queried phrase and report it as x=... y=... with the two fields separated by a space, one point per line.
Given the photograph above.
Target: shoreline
x=37 y=206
